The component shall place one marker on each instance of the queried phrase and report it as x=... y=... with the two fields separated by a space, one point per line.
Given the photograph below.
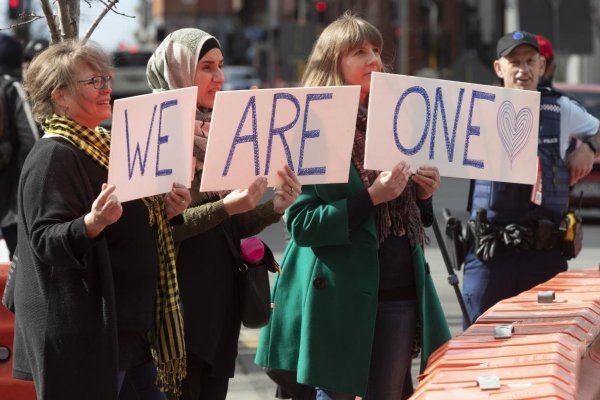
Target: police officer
x=517 y=243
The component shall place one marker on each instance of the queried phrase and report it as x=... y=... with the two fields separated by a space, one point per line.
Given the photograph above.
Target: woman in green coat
x=354 y=285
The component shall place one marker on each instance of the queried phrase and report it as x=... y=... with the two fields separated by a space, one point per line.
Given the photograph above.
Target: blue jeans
x=391 y=355
x=138 y=383
x=323 y=394
x=392 y=346
x=506 y=275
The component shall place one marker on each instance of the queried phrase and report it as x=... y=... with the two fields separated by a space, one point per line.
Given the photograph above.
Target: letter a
x=237 y=139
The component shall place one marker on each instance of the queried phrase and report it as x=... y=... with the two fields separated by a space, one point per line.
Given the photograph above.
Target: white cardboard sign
x=151 y=143
x=466 y=130
x=256 y=132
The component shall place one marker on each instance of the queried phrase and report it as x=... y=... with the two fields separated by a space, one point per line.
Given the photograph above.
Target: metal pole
x=273 y=21
x=452 y=278
x=221 y=28
x=403 y=44
x=301 y=12
x=555 y=5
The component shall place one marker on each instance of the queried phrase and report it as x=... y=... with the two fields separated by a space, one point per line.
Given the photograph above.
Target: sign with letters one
x=256 y=132
x=466 y=130
x=151 y=143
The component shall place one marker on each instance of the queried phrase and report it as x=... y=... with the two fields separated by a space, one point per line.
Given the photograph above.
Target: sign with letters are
x=466 y=130
x=256 y=132
x=151 y=143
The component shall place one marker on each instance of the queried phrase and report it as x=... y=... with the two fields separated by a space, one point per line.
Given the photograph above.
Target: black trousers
x=199 y=384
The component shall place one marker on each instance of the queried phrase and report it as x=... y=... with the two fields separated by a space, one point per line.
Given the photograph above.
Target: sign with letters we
x=256 y=132
x=466 y=130
x=151 y=143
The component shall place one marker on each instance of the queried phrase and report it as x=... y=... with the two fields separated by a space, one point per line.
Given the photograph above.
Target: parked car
x=587 y=191
x=130 y=74
x=239 y=77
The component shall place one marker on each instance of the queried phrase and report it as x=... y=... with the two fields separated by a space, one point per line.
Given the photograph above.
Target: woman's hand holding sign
x=240 y=201
x=288 y=191
x=106 y=210
x=428 y=181
x=177 y=200
x=390 y=184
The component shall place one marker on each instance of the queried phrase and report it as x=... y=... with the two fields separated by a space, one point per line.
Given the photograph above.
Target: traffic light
x=320 y=9
x=14 y=9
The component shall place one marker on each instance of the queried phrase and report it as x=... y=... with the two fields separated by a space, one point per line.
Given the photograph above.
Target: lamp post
x=403 y=44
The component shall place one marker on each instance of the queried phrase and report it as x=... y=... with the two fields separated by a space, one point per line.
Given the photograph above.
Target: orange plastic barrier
x=553 y=352
x=10 y=389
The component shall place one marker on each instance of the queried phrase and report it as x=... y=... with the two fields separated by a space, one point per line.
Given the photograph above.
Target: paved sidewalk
x=250 y=382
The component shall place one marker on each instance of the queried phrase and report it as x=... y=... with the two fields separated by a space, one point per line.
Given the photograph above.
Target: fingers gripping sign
x=390 y=184
x=177 y=200
x=242 y=200
x=106 y=210
x=287 y=191
x=428 y=181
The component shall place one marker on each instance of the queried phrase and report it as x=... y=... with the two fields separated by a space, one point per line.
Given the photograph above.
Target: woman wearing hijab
x=206 y=268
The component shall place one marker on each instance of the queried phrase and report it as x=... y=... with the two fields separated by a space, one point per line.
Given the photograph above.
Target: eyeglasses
x=99 y=81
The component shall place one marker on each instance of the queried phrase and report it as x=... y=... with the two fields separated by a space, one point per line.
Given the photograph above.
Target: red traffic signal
x=14 y=9
x=321 y=6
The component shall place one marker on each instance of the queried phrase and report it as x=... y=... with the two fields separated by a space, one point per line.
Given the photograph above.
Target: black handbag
x=255 y=290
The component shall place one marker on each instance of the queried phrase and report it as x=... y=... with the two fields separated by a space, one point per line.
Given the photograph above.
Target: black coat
x=208 y=282
x=17 y=136
x=65 y=317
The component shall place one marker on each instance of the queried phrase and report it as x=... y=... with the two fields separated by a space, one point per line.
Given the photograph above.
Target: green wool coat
x=325 y=299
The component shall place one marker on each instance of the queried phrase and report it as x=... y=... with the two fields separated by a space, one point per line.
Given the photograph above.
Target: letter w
x=137 y=154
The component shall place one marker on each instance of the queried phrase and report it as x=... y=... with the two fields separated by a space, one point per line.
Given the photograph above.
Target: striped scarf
x=166 y=338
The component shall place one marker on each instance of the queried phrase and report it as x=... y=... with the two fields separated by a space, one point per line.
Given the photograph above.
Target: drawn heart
x=514 y=129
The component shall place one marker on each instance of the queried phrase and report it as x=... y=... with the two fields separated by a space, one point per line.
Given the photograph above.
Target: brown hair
x=340 y=37
x=55 y=68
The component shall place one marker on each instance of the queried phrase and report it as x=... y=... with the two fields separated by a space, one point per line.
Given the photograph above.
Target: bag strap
x=235 y=251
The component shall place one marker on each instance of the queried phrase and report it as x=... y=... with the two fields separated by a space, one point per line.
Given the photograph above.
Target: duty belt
x=490 y=237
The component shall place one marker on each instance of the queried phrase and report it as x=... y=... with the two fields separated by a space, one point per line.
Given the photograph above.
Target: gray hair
x=55 y=68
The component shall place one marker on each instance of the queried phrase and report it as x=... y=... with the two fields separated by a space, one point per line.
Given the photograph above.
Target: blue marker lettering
x=310 y=134
x=439 y=102
x=422 y=92
x=137 y=153
x=474 y=130
x=280 y=131
x=237 y=139
x=163 y=139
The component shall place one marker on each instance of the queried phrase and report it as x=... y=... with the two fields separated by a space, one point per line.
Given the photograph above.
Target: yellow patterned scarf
x=166 y=339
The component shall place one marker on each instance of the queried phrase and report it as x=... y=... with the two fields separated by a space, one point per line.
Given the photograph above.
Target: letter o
x=413 y=89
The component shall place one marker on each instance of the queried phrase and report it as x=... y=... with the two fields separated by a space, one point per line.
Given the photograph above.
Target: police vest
x=511 y=202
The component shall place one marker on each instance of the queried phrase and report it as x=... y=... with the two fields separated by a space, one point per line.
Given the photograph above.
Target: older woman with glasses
x=94 y=287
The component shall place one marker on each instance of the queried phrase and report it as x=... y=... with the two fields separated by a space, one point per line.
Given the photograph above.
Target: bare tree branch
x=54 y=31
x=30 y=18
x=65 y=19
x=74 y=16
x=115 y=11
x=107 y=8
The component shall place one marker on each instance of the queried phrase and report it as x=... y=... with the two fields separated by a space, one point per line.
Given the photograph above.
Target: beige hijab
x=173 y=66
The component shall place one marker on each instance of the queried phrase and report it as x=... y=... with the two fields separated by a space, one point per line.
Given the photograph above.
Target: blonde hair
x=55 y=68
x=340 y=37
